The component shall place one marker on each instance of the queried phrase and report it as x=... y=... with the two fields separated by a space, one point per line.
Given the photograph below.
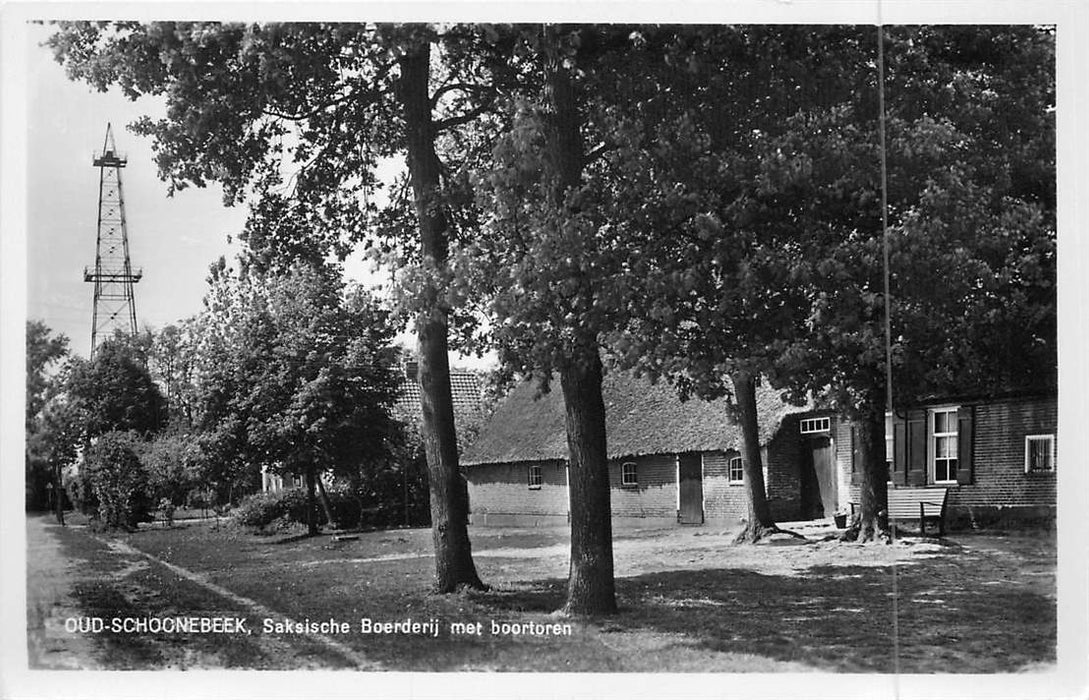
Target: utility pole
x=112 y=275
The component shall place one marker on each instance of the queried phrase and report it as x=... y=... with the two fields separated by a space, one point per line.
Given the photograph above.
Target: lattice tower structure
x=113 y=275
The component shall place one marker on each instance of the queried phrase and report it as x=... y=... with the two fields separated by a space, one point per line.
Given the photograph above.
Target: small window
x=1039 y=453
x=816 y=425
x=535 y=479
x=736 y=470
x=627 y=474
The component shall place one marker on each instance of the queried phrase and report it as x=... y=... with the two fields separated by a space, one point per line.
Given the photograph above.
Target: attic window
x=735 y=473
x=628 y=475
x=535 y=479
x=816 y=425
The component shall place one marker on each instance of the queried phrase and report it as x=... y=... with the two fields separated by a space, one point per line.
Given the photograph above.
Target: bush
x=119 y=480
x=274 y=510
x=262 y=510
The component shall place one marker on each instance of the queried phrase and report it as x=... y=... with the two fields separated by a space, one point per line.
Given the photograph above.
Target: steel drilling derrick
x=112 y=275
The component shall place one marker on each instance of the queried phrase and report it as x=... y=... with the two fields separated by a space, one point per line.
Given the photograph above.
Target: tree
x=554 y=256
x=344 y=95
x=170 y=361
x=721 y=193
x=43 y=351
x=296 y=374
x=770 y=258
x=971 y=217
x=118 y=479
x=114 y=391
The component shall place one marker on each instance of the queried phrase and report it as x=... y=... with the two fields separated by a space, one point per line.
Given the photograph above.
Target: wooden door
x=691 y=488
x=818 y=479
x=826 y=475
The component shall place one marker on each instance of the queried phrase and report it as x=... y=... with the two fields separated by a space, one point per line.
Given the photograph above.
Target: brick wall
x=654 y=496
x=504 y=488
x=782 y=457
x=1000 y=489
x=722 y=500
x=998 y=464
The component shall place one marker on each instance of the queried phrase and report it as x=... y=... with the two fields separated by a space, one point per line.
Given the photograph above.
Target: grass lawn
x=690 y=601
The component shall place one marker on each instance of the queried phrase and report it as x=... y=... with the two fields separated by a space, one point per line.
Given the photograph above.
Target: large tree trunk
x=590 y=587
x=454 y=566
x=873 y=475
x=759 y=521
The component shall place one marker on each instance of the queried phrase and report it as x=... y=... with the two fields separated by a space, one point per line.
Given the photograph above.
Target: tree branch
x=450 y=87
x=465 y=118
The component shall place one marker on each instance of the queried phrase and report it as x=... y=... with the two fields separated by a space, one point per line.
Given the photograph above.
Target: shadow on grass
x=946 y=619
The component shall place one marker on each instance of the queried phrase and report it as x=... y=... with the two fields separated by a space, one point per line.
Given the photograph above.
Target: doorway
x=818 y=479
x=690 y=472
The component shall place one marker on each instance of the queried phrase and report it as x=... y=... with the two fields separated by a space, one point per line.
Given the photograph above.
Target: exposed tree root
x=754 y=533
x=861 y=535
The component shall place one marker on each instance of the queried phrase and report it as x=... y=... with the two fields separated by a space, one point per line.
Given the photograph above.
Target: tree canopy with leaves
x=297 y=116
x=295 y=373
x=770 y=254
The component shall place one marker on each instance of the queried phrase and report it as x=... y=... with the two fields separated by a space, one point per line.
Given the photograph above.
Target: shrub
x=274 y=510
x=118 y=480
x=262 y=510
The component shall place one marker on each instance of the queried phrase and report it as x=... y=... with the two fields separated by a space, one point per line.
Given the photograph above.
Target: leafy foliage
x=48 y=429
x=294 y=373
x=118 y=480
x=43 y=350
x=114 y=391
x=172 y=462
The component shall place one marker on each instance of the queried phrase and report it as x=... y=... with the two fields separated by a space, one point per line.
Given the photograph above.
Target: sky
x=172 y=239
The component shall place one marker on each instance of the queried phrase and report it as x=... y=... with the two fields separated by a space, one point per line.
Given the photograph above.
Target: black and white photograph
x=570 y=351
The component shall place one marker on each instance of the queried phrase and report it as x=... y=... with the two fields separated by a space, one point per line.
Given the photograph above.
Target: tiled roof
x=466 y=390
x=641 y=418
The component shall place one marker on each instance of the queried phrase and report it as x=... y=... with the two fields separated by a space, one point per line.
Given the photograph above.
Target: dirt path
x=54 y=578
x=360 y=662
x=50 y=577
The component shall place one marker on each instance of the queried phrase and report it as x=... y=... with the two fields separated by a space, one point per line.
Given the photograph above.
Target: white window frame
x=730 y=470
x=932 y=444
x=535 y=471
x=890 y=444
x=634 y=482
x=815 y=426
x=1050 y=437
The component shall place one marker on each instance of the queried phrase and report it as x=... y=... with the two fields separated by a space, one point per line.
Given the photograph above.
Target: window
x=627 y=474
x=1039 y=453
x=535 y=479
x=735 y=472
x=943 y=445
x=816 y=425
x=890 y=445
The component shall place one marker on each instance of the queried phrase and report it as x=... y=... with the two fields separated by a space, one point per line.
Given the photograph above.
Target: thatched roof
x=640 y=418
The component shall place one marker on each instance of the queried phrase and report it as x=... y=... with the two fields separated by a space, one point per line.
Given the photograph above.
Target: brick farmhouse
x=680 y=462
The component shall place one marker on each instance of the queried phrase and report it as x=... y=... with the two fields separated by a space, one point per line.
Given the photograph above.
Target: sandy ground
x=50 y=577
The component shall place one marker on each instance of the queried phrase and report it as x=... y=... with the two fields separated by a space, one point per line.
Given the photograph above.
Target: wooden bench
x=916 y=503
